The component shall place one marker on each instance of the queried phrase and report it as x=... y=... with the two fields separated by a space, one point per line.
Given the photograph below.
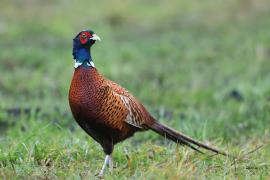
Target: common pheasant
x=106 y=111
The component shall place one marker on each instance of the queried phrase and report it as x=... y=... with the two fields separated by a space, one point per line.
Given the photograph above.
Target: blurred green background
x=199 y=66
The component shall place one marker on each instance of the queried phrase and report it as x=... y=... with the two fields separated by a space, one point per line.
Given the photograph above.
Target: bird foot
x=100 y=175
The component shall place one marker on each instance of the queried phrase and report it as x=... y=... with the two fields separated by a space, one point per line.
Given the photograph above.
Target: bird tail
x=180 y=138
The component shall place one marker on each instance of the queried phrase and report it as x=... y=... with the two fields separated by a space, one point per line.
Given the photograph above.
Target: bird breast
x=83 y=94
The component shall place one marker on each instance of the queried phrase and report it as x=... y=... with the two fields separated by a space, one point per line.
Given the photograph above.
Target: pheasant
x=106 y=111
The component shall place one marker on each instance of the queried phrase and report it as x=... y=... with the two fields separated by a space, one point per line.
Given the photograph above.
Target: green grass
x=201 y=67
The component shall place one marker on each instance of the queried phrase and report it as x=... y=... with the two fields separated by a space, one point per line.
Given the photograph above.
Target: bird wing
x=137 y=115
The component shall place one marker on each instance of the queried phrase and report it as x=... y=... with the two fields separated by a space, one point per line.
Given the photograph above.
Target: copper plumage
x=106 y=111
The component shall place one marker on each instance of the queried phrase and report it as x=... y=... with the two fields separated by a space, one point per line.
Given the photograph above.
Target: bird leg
x=107 y=161
x=110 y=163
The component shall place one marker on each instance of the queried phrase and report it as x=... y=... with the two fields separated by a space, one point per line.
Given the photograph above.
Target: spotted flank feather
x=135 y=114
x=134 y=117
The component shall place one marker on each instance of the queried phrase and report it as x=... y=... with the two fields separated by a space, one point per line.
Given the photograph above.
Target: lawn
x=202 y=67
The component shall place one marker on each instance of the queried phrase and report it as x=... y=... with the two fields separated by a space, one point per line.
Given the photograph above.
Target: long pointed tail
x=181 y=138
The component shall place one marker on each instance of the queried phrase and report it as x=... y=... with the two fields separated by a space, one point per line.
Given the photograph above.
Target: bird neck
x=88 y=63
x=82 y=57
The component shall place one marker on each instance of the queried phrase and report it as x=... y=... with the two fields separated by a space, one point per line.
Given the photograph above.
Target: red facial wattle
x=84 y=37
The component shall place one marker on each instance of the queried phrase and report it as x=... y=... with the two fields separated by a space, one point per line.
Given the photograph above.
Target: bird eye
x=83 y=36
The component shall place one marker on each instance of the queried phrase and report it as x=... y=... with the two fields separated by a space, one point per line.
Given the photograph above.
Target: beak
x=95 y=37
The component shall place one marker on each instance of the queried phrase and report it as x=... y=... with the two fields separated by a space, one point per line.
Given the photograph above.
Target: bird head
x=81 y=46
x=86 y=38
